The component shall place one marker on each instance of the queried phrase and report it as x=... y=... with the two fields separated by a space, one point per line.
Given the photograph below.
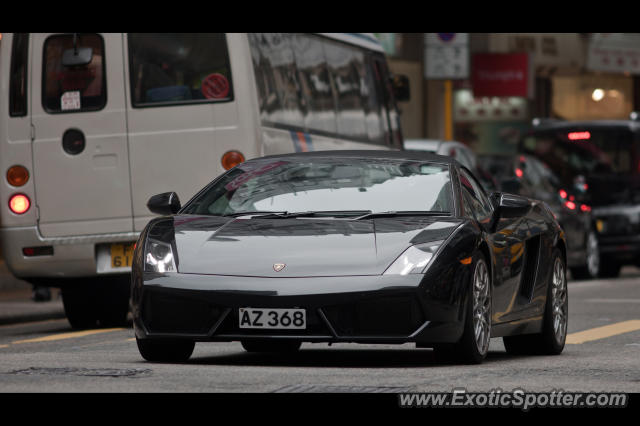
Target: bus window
x=392 y=121
x=18 y=85
x=275 y=70
x=310 y=83
x=78 y=87
x=316 y=89
x=170 y=69
x=372 y=102
x=343 y=64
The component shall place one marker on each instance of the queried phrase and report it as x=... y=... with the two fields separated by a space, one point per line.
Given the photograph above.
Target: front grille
x=618 y=225
x=393 y=316
x=168 y=313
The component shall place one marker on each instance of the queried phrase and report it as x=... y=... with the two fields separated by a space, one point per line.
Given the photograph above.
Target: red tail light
x=519 y=173
x=19 y=203
x=570 y=205
x=585 y=208
x=563 y=194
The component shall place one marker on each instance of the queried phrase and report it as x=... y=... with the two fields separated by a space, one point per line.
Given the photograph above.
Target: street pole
x=448 y=119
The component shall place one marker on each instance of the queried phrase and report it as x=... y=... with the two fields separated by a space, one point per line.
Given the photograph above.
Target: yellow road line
x=4 y=346
x=67 y=335
x=603 y=332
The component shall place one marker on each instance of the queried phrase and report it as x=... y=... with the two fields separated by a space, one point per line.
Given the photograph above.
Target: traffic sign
x=446 y=56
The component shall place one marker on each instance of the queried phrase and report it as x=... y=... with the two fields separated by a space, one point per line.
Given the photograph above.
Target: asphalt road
x=604 y=326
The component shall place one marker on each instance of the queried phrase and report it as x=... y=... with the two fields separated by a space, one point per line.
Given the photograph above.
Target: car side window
x=474 y=195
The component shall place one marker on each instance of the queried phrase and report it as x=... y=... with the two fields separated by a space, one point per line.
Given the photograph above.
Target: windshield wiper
x=247 y=213
x=404 y=213
x=326 y=213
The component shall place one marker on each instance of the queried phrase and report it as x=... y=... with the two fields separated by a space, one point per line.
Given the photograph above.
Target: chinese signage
x=616 y=53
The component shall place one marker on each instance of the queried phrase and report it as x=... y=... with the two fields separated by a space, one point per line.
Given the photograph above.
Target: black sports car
x=350 y=246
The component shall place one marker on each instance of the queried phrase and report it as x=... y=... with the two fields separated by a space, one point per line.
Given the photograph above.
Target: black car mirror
x=511 y=206
x=164 y=204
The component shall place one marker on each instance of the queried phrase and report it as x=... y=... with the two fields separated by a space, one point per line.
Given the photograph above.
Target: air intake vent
x=529 y=272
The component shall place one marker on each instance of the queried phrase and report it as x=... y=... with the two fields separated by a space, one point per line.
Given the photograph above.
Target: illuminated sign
x=578 y=136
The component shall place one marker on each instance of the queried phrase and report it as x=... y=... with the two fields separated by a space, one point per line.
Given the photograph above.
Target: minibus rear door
x=80 y=152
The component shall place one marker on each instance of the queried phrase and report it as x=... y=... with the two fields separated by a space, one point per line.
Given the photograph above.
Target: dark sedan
x=525 y=175
x=350 y=246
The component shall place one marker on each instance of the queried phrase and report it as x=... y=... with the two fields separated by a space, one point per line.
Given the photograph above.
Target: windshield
x=325 y=184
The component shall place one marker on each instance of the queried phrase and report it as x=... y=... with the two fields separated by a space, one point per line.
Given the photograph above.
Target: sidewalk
x=17 y=306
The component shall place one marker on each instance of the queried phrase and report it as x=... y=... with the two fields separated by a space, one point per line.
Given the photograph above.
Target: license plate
x=287 y=319
x=121 y=255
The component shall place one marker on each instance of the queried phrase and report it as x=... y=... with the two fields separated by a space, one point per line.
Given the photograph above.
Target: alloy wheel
x=481 y=307
x=558 y=301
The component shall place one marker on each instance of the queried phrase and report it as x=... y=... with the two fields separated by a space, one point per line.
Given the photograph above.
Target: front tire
x=473 y=346
x=97 y=302
x=165 y=350
x=554 y=327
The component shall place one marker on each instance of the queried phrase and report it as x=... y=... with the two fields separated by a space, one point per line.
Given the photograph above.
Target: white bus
x=92 y=125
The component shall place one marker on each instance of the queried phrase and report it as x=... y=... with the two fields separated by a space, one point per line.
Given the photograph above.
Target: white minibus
x=92 y=125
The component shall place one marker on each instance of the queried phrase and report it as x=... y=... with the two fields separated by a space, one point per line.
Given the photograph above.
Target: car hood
x=306 y=246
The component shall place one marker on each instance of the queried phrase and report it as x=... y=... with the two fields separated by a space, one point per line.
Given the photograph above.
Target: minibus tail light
x=231 y=159
x=19 y=203
x=17 y=175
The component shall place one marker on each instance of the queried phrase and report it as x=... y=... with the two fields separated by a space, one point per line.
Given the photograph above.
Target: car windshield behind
x=603 y=156
x=584 y=150
x=328 y=184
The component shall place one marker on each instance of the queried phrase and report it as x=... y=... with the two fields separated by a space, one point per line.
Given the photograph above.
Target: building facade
x=507 y=79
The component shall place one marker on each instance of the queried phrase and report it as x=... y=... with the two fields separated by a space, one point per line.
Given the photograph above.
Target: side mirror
x=401 y=90
x=166 y=203
x=511 y=206
x=77 y=56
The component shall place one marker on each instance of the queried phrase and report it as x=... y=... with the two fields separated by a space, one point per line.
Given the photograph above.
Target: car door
x=507 y=243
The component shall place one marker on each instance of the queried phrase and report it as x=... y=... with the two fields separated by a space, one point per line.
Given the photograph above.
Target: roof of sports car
x=379 y=154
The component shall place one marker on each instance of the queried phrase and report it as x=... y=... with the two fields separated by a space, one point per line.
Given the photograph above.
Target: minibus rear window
x=174 y=69
x=18 y=84
x=75 y=85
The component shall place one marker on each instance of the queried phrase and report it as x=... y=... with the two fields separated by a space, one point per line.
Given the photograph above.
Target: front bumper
x=365 y=309
x=618 y=232
x=72 y=256
x=624 y=248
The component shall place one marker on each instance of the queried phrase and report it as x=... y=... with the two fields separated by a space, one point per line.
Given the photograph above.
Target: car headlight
x=159 y=257
x=414 y=260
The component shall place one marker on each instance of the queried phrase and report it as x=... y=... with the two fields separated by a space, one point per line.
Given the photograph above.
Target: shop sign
x=502 y=74
x=615 y=53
